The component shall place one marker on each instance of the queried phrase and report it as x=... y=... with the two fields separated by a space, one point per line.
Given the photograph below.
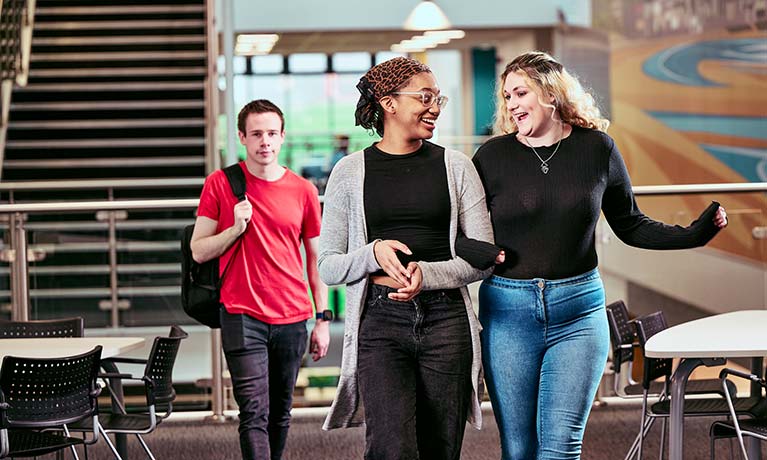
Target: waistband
x=541 y=282
x=378 y=289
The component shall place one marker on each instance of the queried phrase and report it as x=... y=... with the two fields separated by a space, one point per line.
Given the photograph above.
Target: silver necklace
x=545 y=163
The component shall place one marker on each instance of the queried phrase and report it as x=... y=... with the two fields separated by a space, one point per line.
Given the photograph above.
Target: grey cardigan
x=346 y=257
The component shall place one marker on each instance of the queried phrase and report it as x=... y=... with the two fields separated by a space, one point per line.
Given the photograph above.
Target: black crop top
x=406 y=198
x=546 y=222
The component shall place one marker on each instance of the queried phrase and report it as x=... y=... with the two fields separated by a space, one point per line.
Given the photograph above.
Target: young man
x=266 y=305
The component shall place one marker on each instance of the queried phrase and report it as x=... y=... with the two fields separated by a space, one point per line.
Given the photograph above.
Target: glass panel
x=272 y=63
x=351 y=62
x=307 y=63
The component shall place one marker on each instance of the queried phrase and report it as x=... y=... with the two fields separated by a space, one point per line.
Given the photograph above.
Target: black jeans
x=263 y=361
x=414 y=365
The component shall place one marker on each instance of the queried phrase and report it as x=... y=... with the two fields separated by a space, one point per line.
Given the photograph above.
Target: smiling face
x=410 y=118
x=524 y=107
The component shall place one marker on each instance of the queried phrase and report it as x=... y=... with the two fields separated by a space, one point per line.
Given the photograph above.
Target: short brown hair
x=258 y=106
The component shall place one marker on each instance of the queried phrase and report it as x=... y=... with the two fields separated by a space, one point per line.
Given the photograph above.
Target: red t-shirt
x=266 y=279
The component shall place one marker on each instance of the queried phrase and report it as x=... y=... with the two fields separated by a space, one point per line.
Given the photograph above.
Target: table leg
x=121 y=440
x=752 y=443
x=676 y=410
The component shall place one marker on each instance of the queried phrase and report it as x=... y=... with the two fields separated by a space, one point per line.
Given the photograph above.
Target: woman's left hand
x=720 y=219
x=414 y=288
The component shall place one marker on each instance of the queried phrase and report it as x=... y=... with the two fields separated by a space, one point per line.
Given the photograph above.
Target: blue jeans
x=263 y=361
x=544 y=349
x=414 y=367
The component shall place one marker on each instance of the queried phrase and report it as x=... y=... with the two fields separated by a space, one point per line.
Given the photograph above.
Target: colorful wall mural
x=693 y=109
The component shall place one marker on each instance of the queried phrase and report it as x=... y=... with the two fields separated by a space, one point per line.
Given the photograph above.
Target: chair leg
x=662 y=438
x=74 y=451
x=642 y=426
x=146 y=448
x=109 y=443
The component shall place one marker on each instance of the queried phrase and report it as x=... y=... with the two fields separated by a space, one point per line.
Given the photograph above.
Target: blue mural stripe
x=749 y=163
x=748 y=127
x=679 y=64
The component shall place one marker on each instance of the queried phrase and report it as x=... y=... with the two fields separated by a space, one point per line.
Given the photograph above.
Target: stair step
x=109 y=26
x=109 y=105
x=107 y=124
x=91 y=163
x=99 y=87
x=117 y=40
x=124 y=9
x=116 y=56
x=106 y=143
x=118 y=71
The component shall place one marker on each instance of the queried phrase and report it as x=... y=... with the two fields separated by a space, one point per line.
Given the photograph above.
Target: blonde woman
x=546 y=179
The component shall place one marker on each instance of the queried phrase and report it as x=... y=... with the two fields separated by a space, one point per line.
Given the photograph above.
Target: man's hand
x=320 y=340
x=413 y=288
x=243 y=211
x=386 y=255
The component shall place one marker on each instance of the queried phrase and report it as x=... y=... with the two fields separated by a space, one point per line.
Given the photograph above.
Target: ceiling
x=380 y=40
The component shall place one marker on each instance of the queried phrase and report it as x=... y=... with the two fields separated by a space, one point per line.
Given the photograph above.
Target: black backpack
x=200 y=283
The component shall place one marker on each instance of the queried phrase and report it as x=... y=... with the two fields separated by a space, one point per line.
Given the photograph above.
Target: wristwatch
x=324 y=315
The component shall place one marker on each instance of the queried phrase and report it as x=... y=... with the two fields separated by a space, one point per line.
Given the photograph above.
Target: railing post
x=217 y=380
x=115 y=313
x=19 y=270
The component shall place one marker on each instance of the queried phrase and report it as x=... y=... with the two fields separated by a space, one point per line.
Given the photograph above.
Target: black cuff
x=479 y=254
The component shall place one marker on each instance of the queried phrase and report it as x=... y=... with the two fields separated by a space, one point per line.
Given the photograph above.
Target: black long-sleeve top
x=546 y=222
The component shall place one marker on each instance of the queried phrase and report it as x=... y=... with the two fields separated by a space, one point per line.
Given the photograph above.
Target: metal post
x=217 y=380
x=19 y=270
x=115 y=313
x=227 y=31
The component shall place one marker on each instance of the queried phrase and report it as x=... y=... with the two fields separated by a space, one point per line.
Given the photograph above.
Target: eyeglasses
x=428 y=98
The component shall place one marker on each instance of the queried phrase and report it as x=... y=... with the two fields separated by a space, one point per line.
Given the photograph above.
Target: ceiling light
x=255 y=44
x=426 y=16
x=449 y=34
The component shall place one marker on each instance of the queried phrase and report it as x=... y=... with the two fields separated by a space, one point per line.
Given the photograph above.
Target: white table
x=707 y=341
x=72 y=346
x=68 y=346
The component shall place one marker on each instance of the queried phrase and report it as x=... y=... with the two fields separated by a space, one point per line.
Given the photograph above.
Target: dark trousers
x=414 y=365
x=263 y=361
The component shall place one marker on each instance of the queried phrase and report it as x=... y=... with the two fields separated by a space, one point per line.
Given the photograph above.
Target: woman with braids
x=547 y=177
x=411 y=352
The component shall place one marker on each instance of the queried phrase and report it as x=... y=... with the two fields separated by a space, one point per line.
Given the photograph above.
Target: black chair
x=65 y=327
x=158 y=386
x=41 y=394
x=756 y=427
x=624 y=340
x=655 y=368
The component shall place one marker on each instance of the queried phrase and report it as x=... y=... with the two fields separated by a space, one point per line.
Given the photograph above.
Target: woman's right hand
x=386 y=255
x=500 y=258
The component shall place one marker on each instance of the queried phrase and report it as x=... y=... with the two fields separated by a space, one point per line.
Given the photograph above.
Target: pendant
x=544 y=168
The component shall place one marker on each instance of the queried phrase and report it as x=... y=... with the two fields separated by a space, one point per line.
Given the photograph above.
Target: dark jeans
x=414 y=366
x=263 y=361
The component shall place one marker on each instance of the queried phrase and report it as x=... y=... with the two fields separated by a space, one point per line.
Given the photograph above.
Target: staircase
x=116 y=90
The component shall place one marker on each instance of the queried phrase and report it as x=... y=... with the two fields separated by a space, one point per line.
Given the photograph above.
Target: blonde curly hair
x=547 y=77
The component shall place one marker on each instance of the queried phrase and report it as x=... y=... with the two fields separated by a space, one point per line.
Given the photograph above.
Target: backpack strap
x=236 y=178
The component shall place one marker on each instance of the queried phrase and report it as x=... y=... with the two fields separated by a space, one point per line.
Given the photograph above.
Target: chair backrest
x=647 y=326
x=622 y=333
x=65 y=327
x=44 y=392
x=159 y=366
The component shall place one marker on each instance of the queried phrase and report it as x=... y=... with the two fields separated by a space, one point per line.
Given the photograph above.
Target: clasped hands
x=409 y=278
